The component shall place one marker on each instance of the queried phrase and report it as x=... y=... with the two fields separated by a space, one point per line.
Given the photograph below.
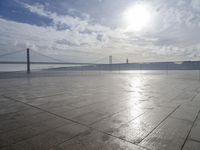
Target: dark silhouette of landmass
x=185 y=65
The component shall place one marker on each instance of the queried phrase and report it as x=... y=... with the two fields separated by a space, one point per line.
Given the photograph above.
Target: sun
x=137 y=17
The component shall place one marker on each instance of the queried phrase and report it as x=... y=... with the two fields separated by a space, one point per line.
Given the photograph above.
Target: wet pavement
x=99 y=112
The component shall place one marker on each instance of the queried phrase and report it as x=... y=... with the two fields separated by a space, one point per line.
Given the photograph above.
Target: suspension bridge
x=28 y=59
x=54 y=60
x=95 y=65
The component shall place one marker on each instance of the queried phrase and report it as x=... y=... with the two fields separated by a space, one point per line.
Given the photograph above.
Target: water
x=186 y=74
x=22 y=67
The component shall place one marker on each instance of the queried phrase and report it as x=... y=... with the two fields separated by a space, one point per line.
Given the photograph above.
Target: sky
x=91 y=30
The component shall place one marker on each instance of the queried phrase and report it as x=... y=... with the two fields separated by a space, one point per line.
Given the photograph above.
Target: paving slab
x=111 y=123
x=88 y=140
x=170 y=135
x=23 y=133
x=192 y=145
x=49 y=139
x=186 y=112
x=118 y=144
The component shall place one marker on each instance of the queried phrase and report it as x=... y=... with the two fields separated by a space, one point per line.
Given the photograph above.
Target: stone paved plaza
x=99 y=112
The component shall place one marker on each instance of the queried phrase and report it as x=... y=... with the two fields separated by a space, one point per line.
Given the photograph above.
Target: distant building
x=127 y=60
x=110 y=59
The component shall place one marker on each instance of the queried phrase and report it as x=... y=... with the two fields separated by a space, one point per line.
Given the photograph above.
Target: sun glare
x=137 y=17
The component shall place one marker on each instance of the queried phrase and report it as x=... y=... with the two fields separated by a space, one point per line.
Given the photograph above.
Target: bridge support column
x=28 y=61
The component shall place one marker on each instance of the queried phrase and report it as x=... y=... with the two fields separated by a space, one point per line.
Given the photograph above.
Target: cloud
x=174 y=36
x=195 y=5
x=65 y=44
x=66 y=21
x=44 y=39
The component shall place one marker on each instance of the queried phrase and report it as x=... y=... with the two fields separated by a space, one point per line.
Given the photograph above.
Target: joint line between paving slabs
x=61 y=93
x=195 y=140
x=160 y=122
x=190 y=130
x=195 y=96
x=47 y=111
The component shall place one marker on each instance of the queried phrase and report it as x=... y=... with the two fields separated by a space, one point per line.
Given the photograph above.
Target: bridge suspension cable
x=102 y=58
x=52 y=58
x=11 y=53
